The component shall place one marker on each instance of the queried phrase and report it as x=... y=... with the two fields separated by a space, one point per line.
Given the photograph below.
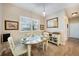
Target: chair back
x=11 y=43
x=46 y=34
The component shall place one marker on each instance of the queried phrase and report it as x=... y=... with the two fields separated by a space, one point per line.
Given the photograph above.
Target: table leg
x=29 y=50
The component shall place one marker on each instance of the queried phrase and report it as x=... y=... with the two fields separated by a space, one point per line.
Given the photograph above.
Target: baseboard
x=73 y=38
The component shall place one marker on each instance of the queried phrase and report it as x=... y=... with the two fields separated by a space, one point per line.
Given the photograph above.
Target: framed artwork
x=25 y=24
x=35 y=25
x=11 y=25
x=52 y=23
x=41 y=27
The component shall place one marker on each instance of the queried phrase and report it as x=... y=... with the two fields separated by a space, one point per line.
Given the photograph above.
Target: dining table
x=32 y=40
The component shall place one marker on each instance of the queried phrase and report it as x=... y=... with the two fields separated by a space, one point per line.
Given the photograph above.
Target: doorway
x=73 y=28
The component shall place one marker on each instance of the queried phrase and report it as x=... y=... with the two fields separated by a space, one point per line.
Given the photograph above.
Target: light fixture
x=75 y=13
x=44 y=13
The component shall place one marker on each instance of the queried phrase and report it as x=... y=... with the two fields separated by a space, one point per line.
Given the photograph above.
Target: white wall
x=74 y=27
x=62 y=27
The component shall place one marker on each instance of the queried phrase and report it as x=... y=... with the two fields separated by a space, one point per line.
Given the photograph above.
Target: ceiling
x=50 y=8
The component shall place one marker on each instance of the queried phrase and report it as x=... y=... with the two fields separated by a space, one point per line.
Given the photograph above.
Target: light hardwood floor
x=70 y=49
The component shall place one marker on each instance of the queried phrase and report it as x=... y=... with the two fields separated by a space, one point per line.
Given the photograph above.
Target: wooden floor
x=70 y=49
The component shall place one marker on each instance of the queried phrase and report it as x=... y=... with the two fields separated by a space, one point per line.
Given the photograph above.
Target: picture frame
x=11 y=25
x=41 y=27
x=35 y=25
x=52 y=23
x=25 y=24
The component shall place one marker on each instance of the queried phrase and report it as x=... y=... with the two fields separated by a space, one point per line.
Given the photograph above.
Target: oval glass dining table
x=33 y=40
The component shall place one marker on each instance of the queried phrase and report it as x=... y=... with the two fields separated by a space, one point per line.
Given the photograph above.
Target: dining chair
x=46 y=38
x=17 y=50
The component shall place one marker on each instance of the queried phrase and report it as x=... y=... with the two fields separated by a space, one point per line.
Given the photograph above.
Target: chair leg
x=43 y=46
x=46 y=45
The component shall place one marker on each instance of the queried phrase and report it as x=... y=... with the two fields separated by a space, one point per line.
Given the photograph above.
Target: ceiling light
x=44 y=13
x=75 y=13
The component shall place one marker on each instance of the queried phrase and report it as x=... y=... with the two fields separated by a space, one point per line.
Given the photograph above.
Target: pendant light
x=44 y=13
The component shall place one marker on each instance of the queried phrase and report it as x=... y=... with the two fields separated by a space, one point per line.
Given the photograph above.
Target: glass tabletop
x=32 y=40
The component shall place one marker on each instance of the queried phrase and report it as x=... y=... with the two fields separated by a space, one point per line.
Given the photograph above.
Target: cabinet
x=55 y=38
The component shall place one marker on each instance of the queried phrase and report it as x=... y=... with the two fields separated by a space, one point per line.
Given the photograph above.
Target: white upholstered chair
x=17 y=50
x=45 y=36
